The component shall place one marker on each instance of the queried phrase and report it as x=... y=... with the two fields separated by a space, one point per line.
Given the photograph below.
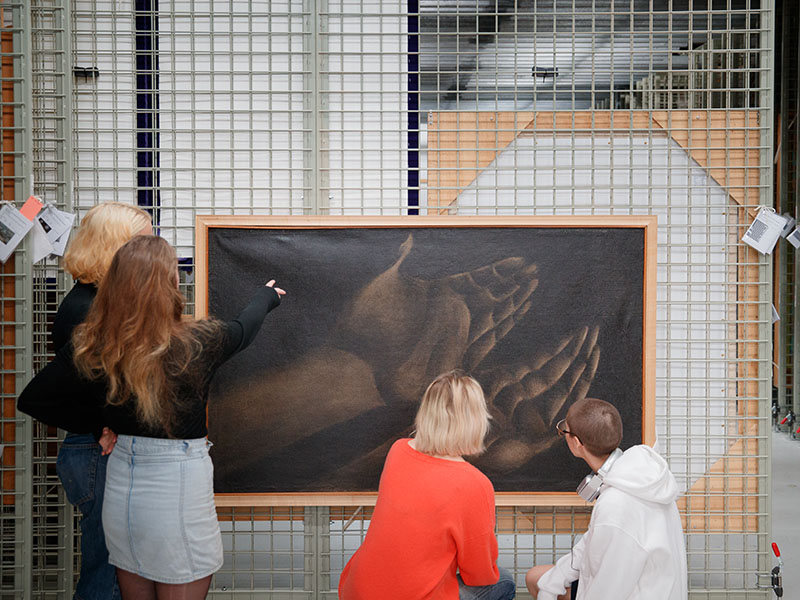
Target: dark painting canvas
x=540 y=316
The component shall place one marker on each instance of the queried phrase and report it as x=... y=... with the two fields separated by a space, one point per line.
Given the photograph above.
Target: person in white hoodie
x=634 y=548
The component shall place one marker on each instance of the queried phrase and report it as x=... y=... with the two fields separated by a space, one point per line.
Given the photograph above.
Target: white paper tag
x=13 y=227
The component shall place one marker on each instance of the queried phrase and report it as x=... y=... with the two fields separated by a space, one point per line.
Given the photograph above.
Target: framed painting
x=542 y=311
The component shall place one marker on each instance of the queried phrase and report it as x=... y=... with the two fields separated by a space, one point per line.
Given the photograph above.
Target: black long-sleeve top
x=59 y=396
x=71 y=312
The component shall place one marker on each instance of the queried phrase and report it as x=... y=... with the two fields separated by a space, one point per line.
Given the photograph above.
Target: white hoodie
x=634 y=547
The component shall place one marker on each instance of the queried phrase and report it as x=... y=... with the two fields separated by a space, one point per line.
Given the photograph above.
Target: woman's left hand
x=271 y=283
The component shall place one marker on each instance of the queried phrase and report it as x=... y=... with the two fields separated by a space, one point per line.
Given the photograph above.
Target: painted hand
x=433 y=325
x=525 y=400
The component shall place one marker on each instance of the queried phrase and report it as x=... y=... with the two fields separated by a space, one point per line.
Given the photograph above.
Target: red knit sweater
x=433 y=517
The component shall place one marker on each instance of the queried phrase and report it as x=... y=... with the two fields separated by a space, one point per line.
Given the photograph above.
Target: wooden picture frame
x=542 y=310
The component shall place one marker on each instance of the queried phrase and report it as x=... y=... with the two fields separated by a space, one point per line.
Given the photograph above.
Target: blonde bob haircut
x=453 y=419
x=103 y=230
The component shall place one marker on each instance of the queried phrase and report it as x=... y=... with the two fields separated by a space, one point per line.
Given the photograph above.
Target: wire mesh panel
x=54 y=561
x=464 y=107
x=236 y=120
x=787 y=395
x=104 y=101
x=267 y=549
x=15 y=433
x=364 y=106
x=792 y=159
x=556 y=125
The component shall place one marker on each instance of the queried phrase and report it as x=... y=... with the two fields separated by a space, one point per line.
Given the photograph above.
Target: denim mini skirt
x=159 y=515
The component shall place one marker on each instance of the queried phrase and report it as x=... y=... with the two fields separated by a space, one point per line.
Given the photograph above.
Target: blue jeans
x=504 y=589
x=82 y=471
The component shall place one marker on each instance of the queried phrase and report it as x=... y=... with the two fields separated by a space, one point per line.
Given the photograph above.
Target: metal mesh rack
x=465 y=107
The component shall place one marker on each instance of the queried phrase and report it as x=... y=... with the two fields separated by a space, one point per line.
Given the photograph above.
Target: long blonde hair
x=134 y=334
x=453 y=419
x=102 y=231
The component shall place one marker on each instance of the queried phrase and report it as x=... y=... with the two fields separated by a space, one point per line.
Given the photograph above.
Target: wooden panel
x=726 y=498
x=533 y=520
x=462 y=144
x=725 y=143
x=518 y=520
x=8 y=291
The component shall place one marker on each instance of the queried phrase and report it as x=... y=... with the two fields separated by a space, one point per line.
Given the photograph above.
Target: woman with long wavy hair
x=152 y=367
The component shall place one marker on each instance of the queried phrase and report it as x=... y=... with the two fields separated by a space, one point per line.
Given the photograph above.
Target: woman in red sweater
x=432 y=532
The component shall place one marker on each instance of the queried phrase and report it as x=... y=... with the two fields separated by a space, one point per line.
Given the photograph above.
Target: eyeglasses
x=561 y=429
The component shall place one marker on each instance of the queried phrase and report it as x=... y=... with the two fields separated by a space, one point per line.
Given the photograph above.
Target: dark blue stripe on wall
x=413 y=107
x=148 y=177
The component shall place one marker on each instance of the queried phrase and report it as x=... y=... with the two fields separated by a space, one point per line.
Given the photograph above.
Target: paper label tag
x=31 y=208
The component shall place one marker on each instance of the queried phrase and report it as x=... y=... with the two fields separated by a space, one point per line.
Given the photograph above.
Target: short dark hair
x=597 y=425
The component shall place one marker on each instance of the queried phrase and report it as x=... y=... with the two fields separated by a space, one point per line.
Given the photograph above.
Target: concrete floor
x=786 y=509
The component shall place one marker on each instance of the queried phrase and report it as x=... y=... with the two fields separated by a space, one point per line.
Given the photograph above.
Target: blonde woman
x=81 y=463
x=102 y=231
x=432 y=532
x=150 y=369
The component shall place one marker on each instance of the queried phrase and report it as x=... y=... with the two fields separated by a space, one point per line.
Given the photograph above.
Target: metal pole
x=23 y=335
x=766 y=105
x=313 y=125
x=65 y=170
x=796 y=283
x=782 y=326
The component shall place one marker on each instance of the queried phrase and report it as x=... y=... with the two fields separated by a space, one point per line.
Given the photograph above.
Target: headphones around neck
x=589 y=488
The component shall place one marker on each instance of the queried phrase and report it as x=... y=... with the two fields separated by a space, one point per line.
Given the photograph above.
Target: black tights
x=136 y=587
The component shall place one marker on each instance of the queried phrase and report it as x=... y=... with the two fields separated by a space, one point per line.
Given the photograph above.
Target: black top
x=71 y=312
x=58 y=395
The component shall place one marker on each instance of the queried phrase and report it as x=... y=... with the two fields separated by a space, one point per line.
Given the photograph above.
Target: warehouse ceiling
x=567 y=54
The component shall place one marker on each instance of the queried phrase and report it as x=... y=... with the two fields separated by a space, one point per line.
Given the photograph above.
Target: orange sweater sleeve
x=476 y=547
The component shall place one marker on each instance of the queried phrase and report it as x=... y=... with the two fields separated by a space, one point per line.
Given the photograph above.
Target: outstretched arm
x=243 y=329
